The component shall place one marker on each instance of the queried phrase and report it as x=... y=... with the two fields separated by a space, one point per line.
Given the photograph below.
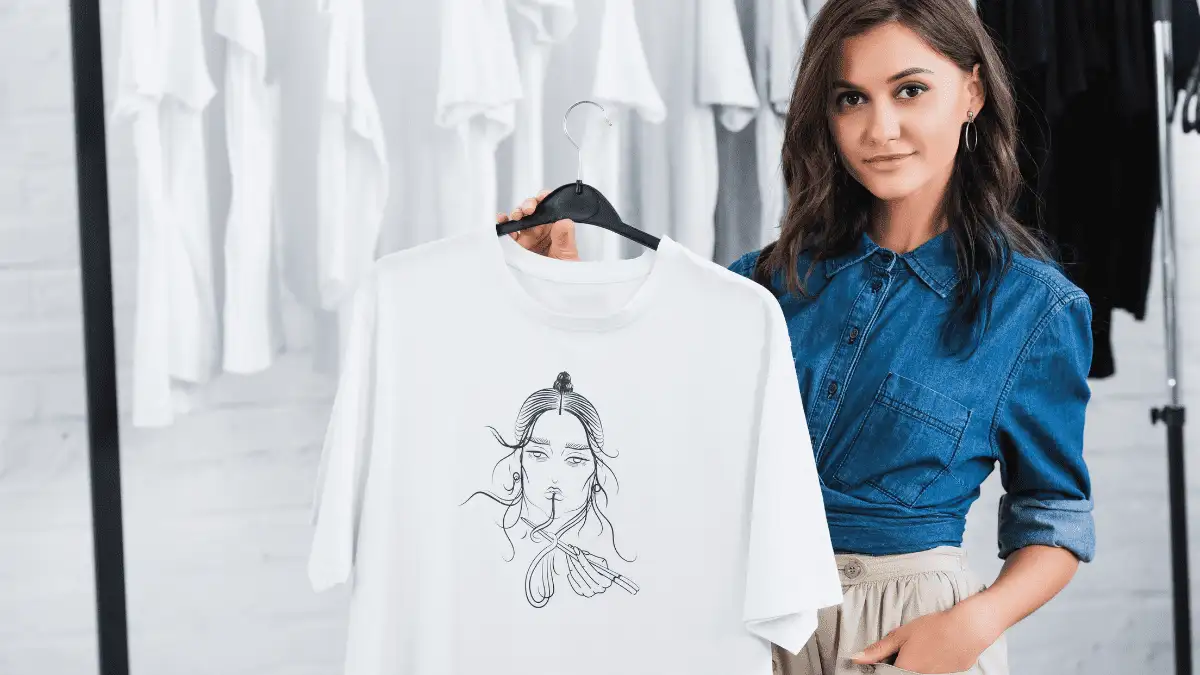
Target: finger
x=562 y=240
x=581 y=568
x=591 y=574
x=529 y=206
x=501 y=217
x=532 y=243
x=888 y=645
x=516 y=214
x=575 y=569
x=576 y=584
x=542 y=195
x=536 y=238
x=536 y=232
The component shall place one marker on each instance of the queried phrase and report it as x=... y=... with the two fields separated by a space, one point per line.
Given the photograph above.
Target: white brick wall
x=47 y=617
x=216 y=506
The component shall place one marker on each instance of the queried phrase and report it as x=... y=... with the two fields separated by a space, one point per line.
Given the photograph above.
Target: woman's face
x=898 y=111
x=558 y=465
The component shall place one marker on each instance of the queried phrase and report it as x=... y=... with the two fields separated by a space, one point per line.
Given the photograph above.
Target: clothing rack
x=1172 y=414
x=100 y=359
x=100 y=355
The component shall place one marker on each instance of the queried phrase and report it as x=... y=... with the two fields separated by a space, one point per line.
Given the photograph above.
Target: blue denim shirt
x=905 y=432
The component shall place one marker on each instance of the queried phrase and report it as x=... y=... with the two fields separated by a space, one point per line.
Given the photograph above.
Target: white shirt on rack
x=614 y=501
x=352 y=163
x=781 y=28
x=163 y=89
x=623 y=85
x=479 y=85
x=697 y=56
x=539 y=25
x=251 y=123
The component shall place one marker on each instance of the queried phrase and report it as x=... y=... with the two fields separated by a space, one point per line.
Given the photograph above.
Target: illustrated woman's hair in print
x=554 y=481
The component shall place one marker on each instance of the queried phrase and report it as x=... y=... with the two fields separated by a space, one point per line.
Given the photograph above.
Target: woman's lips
x=889 y=158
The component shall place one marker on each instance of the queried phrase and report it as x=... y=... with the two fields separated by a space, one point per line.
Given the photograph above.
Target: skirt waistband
x=855 y=568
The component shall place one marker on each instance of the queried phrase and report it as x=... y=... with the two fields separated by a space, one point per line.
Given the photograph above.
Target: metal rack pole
x=95 y=264
x=1172 y=414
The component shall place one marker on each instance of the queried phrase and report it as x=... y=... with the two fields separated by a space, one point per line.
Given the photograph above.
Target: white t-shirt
x=353 y=179
x=583 y=468
x=479 y=84
x=697 y=59
x=162 y=91
x=538 y=26
x=252 y=123
x=352 y=162
x=623 y=86
x=781 y=28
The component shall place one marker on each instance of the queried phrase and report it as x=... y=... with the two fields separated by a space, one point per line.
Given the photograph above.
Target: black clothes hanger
x=580 y=202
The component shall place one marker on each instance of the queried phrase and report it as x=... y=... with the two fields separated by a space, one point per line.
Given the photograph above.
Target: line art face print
x=553 y=486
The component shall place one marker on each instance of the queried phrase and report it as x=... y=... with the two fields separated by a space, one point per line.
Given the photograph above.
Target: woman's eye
x=914 y=90
x=850 y=98
x=575 y=461
x=537 y=454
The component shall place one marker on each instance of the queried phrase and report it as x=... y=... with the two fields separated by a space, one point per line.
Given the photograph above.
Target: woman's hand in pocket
x=949 y=641
x=553 y=240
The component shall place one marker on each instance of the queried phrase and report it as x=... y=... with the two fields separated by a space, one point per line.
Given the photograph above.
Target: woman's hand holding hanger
x=555 y=240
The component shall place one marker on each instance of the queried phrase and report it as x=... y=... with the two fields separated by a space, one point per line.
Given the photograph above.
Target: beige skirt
x=882 y=593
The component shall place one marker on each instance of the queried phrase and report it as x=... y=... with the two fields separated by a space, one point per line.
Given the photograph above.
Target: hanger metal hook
x=579 y=150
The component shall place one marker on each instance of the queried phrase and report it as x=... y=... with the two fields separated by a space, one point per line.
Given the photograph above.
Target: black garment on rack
x=1185 y=39
x=1084 y=80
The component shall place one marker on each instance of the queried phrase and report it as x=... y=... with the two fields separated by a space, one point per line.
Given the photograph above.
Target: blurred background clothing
x=218 y=464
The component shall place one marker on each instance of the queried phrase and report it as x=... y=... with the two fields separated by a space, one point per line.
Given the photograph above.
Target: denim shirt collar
x=935 y=262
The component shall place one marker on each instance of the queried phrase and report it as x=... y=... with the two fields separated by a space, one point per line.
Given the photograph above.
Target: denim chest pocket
x=907 y=439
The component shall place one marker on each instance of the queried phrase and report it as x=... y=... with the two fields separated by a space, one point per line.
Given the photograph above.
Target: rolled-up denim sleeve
x=1038 y=437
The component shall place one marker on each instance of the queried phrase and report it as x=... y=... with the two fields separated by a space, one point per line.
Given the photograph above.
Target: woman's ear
x=975 y=90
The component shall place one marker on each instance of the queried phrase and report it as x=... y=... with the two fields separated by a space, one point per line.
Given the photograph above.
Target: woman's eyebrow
x=907 y=72
x=577 y=446
x=539 y=440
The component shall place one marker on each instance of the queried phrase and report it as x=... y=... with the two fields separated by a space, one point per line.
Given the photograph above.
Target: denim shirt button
x=833 y=388
x=876 y=285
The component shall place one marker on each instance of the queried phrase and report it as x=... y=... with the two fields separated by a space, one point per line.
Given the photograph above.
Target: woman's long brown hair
x=828 y=210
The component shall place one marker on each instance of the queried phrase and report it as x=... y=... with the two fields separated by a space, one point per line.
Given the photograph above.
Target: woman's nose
x=884 y=125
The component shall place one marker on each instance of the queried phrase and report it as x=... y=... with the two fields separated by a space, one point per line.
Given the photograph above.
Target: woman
x=933 y=338
x=554 y=481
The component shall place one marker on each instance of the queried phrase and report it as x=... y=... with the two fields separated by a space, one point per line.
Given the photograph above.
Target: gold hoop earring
x=970 y=133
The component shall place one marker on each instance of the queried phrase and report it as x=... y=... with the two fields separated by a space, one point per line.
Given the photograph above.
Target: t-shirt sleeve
x=791 y=571
x=789 y=29
x=478 y=76
x=139 y=70
x=622 y=72
x=723 y=70
x=341 y=473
